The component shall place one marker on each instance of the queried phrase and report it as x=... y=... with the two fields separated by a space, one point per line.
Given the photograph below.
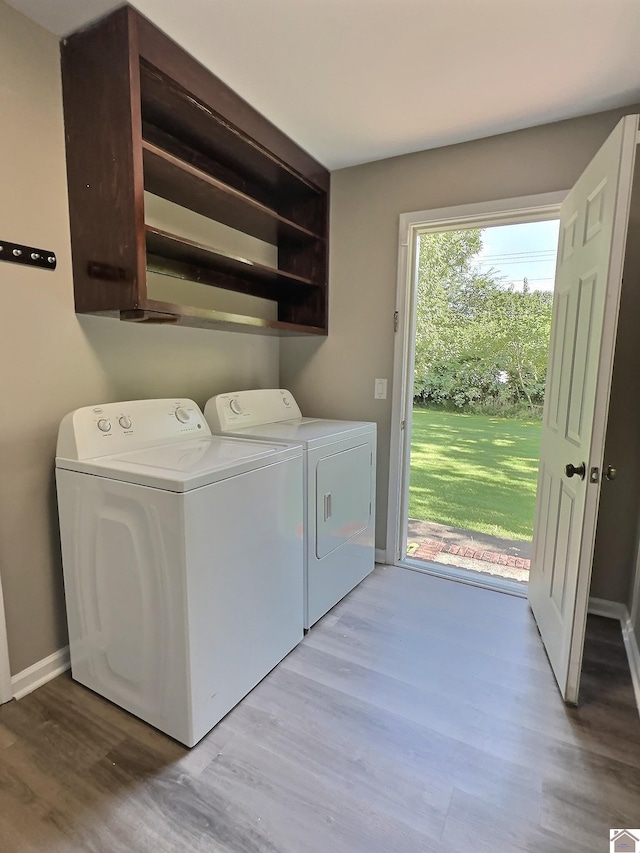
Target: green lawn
x=474 y=472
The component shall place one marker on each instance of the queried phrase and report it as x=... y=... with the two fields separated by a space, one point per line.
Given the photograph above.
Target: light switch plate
x=380 y=389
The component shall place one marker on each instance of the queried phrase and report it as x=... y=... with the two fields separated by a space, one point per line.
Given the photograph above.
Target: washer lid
x=185 y=465
x=310 y=432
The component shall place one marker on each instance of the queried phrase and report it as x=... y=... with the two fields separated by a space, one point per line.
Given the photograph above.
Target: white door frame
x=482 y=215
x=6 y=692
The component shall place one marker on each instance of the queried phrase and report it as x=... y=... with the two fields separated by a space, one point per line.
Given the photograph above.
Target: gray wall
x=335 y=377
x=52 y=360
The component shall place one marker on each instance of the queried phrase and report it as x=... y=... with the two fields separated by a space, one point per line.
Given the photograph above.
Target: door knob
x=611 y=473
x=570 y=470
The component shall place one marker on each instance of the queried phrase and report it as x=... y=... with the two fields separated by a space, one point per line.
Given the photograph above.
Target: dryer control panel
x=241 y=409
x=116 y=427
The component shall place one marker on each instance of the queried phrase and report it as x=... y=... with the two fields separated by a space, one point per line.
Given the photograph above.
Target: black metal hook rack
x=31 y=256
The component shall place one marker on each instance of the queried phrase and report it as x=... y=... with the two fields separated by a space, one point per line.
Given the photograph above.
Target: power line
x=515 y=254
x=515 y=263
x=516 y=259
x=519 y=280
x=523 y=256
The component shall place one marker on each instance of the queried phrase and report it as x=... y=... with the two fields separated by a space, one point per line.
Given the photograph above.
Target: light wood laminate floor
x=418 y=715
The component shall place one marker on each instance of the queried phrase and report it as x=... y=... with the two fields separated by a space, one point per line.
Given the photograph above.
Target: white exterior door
x=593 y=230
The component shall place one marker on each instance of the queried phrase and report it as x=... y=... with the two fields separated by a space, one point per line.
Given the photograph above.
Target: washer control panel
x=240 y=409
x=117 y=427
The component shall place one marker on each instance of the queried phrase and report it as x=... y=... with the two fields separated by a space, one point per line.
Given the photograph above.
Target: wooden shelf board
x=154 y=311
x=178 y=181
x=166 y=104
x=171 y=255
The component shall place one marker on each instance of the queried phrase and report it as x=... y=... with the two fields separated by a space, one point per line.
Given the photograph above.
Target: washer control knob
x=125 y=422
x=183 y=415
x=104 y=425
x=286 y=401
x=235 y=407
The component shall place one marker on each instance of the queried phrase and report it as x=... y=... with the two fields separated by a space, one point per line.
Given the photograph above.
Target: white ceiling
x=359 y=80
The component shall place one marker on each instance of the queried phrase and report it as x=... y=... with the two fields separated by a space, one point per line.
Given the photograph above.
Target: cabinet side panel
x=104 y=164
x=310 y=308
x=310 y=261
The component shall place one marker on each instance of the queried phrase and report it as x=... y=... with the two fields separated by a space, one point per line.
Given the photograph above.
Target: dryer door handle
x=327 y=506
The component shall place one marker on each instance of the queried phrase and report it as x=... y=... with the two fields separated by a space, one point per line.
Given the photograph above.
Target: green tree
x=513 y=331
x=450 y=293
x=477 y=341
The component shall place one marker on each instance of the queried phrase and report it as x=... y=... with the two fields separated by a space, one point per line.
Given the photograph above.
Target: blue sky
x=516 y=252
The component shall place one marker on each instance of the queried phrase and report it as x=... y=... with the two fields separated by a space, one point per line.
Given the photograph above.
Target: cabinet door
x=343 y=497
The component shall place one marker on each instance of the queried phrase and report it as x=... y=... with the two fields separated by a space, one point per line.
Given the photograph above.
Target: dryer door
x=343 y=497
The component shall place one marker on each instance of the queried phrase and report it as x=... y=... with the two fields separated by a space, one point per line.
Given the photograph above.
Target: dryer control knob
x=125 y=422
x=286 y=401
x=104 y=425
x=235 y=407
x=183 y=415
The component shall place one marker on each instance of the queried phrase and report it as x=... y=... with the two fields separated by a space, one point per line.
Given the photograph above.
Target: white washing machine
x=340 y=465
x=182 y=559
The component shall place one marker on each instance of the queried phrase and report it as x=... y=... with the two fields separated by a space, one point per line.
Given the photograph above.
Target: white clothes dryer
x=182 y=560
x=339 y=474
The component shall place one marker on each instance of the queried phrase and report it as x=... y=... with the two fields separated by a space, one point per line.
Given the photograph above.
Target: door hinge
x=401 y=424
x=396 y=320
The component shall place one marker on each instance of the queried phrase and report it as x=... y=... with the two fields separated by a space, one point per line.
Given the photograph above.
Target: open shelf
x=156 y=312
x=141 y=114
x=190 y=116
x=168 y=254
x=171 y=178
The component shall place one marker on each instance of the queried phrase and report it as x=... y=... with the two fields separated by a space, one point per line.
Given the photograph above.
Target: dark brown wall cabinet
x=142 y=114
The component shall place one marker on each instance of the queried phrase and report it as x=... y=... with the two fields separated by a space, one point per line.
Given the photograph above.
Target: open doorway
x=598 y=221
x=483 y=319
x=412 y=226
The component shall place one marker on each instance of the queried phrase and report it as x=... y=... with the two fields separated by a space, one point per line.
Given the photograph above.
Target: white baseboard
x=633 y=653
x=39 y=673
x=381 y=555
x=610 y=609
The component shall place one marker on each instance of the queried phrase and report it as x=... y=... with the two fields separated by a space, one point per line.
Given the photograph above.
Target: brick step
x=430 y=548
